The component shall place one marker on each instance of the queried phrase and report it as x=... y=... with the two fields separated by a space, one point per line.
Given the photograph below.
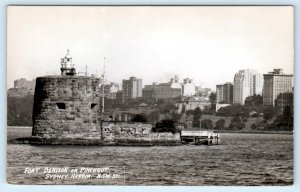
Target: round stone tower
x=66 y=109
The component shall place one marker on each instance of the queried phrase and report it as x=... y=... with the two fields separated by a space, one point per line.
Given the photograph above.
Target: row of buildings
x=275 y=87
x=133 y=88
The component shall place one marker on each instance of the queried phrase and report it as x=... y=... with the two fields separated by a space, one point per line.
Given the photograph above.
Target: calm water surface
x=241 y=159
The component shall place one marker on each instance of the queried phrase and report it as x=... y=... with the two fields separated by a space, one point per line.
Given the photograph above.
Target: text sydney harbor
x=56 y=173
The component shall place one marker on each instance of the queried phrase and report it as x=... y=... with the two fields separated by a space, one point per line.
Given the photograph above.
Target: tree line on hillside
x=19 y=111
x=254 y=107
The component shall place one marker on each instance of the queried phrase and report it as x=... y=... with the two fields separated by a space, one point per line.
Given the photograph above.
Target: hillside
x=19 y=111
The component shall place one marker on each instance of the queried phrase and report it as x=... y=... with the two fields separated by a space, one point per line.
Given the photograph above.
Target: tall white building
x=219 y=93
x=246 y=83
x=258 y=84
x=188 y=87
x=175 y=83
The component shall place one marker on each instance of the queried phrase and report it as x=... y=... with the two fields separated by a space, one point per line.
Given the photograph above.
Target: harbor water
x=241 y=159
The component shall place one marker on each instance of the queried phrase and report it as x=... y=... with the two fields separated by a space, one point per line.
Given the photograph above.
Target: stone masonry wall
x=116 y=131
x=66 y=107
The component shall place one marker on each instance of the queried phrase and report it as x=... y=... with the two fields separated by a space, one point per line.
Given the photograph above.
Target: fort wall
x=66 y=107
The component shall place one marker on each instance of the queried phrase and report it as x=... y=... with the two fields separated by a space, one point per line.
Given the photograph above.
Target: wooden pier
x=200 y=137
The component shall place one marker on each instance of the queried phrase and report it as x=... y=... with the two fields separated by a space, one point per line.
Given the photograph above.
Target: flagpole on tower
x=103 y=84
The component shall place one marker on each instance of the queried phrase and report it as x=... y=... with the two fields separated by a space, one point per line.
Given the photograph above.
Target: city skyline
x=181 y=80
x=150 y=43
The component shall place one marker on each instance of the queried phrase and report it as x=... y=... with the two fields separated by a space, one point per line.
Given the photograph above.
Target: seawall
x=136 y=134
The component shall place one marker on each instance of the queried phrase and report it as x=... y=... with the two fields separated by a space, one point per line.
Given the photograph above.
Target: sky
x=206 y=43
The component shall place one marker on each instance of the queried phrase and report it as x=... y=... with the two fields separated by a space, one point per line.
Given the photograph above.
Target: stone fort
x=66 y=106
x=67 y=111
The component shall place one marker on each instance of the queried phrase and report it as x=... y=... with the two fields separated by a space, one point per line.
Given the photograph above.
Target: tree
x=213 y=99
x=207 y=123
x=153 y=116
x=253 y=102
x=167 y=107
x=284 y=121
x=231 y=111
x=139 y=118
x=19 y=110
x=269 y=112
x=196 y=117
x=220 y=124
x=236 y=123
x=253 y=126
x=166 y=125
x=176 y=117
x=183 y=108
x=288 y=117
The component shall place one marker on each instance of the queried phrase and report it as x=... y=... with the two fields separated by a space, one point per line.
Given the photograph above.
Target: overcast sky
x=207 y=44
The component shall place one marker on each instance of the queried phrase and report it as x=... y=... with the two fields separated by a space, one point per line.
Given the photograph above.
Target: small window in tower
x=61 y=105
x=93 y=105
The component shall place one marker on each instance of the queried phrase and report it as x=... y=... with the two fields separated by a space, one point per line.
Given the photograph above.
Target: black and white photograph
x=150 y=95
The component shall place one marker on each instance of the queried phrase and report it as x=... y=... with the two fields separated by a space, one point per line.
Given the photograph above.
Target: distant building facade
x=194 y=102
x=283 y=100
x=188 y=87
x=22 y=88
x=175 y=84
x=219 y=93
x=203 y=92
x=132 y=88
x=161 y=91
x=276 y=83
x=224 y=93
x=110 y=90
x=23 y=83
x=246 y=83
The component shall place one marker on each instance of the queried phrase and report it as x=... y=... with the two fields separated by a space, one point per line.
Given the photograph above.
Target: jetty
x=200 y=137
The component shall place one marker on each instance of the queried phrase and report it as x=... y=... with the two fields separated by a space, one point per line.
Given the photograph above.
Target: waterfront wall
x=125 y=133
x=66 y=107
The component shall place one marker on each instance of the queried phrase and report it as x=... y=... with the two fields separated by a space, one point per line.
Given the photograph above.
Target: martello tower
x=66 y=107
